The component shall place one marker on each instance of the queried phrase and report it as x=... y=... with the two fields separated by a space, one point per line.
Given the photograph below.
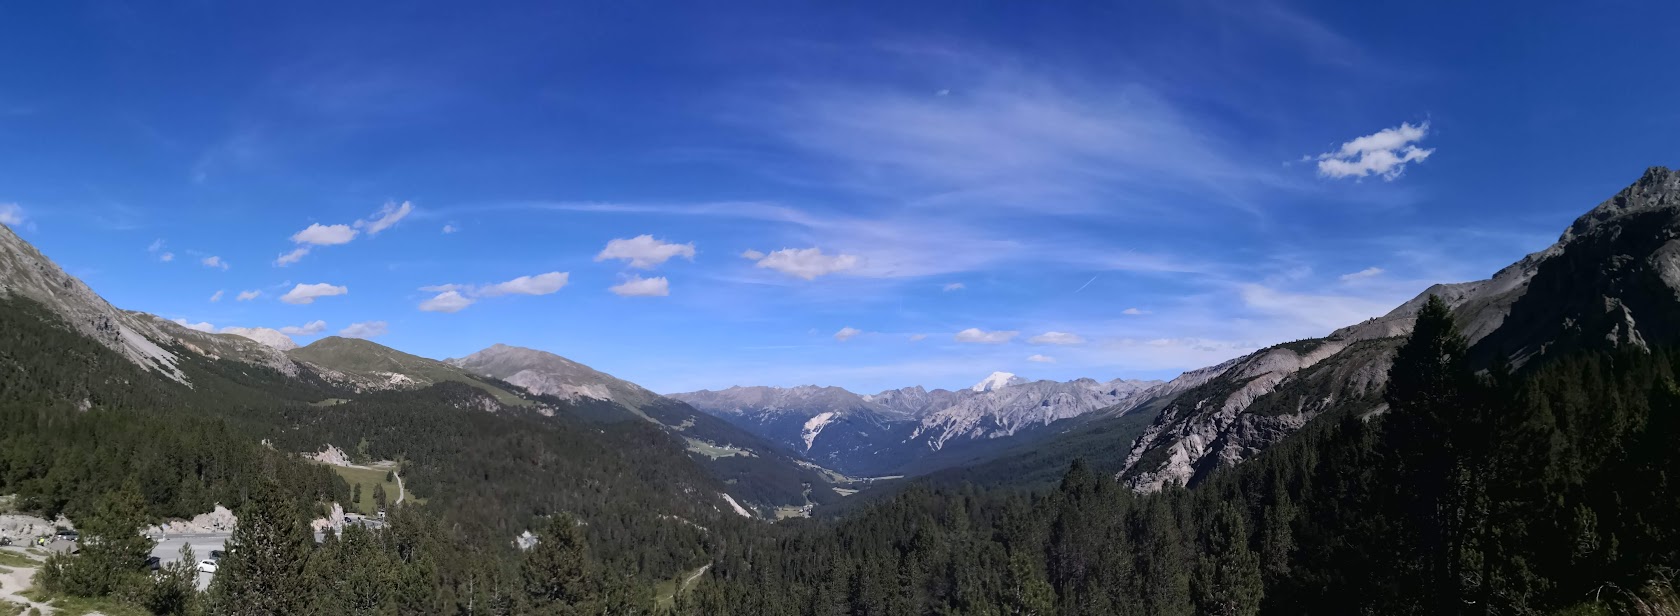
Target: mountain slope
x=757 y=471
x=25 y=272
x=369 y=366
x=1612 y=279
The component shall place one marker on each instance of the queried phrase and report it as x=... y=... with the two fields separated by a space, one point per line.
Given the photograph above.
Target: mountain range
x=1610 y=280
x=891 y=431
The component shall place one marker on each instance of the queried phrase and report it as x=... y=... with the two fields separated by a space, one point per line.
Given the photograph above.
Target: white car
x=207 y=566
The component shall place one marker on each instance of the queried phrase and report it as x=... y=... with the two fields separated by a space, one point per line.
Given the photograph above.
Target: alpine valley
x=1504 y=442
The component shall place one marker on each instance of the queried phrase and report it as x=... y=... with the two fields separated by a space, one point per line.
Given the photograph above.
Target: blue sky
x=868 y=195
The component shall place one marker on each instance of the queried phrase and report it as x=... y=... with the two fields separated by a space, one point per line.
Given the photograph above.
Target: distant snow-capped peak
x=998 y=380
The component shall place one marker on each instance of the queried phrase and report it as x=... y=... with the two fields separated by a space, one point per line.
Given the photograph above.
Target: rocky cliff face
x=1612 y=278
x=26 y=272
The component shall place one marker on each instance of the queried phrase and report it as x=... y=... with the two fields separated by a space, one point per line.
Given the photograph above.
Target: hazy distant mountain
x=881 y=433
x=1612 y=279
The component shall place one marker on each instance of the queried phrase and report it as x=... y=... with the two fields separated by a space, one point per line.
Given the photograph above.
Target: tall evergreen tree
x=263 y=569
x=558 y=575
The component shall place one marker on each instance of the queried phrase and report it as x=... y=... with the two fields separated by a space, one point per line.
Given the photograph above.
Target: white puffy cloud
x=368 y=329
x=450 y=228
x=385 y=218
x=215 y=262
x=217 y=296
x=245 y=296
x=1061 y=338
x=11 y=214
x=752 y=254
x=1134 y=311
x=1384 y=153
x=447 y=301
x=308 y=329
x=638 y=286
x=1369 y=272
x=541 y=284
x=918 y=337
x=979 y=336
x=807 y=263
x=1043 y=359
x=325 y=235
x=644 y=252
x=955 y=286
x=847 y=333
x=166 y=257
x=455 y=297
x=307 y=293
x=200 y=326
x=292 y=257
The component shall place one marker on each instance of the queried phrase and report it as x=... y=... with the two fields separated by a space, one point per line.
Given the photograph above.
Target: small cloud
x=807 y=263
x=1134 y=311
x=291 y=257
x=308 y=329
x=638 y=286
x=455 y=297
x=644 y=252
x=847 y=333
x=307 y=293
x=918 y=337
x=752 y=254
x=325 y=235
x=217 y=296
x=449 y=228
x=200 y=326
x=979 y=336
x=157 y=245
x=1043 y=359
x=385 y=218
x=943 y=92
x=369 y=329
x=1369 y=272
x=1060 y=338
x=215 y=263
x=11 y=214
x=166 y=257
x=955 y=286
x=245 y=296
x=1384 y=153
x=447 y=301
x=541 y=284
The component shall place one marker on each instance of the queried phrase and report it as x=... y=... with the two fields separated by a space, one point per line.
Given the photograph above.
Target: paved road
x=169 y=550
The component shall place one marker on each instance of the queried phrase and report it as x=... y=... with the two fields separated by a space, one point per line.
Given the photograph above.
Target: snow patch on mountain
x=998 y=380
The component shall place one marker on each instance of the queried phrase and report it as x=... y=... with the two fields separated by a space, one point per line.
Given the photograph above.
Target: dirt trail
x=17 y=580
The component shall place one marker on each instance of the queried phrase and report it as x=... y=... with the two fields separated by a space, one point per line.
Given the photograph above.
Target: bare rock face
x=545 y=373
x=1612 y=279
x=225 y=346
x=25 y=272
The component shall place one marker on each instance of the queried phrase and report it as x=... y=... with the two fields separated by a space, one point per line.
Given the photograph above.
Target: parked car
x=67 y=535
x=154 y=563
x=217 y=555
x=207 y=566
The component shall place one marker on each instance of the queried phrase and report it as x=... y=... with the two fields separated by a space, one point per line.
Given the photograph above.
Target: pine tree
x=558 y=574
x=379 y=495
x=1227 y=580
x=263 y=570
